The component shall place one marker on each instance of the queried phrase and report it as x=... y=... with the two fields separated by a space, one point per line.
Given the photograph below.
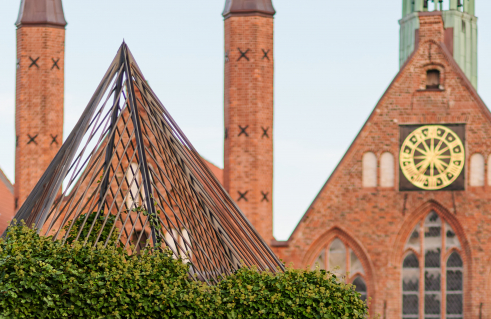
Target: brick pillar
x=249 y=69
x=39 y=91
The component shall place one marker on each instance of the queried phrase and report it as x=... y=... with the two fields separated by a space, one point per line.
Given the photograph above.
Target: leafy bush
x=95 y=229
x=42 y=278
x=292 y=294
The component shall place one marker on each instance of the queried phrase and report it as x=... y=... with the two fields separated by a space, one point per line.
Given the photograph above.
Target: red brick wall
x=6 y=202
x=378 y=221
x=39 y=103
x=249 y=103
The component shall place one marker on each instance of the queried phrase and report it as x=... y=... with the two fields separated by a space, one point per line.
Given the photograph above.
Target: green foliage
x=292 y=294
x=42 y=278
x=95 y=229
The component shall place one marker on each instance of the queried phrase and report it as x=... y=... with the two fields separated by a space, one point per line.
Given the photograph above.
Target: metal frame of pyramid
x=128 y=162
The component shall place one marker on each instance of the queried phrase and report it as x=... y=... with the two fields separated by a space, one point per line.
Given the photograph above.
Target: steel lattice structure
x=127 y=171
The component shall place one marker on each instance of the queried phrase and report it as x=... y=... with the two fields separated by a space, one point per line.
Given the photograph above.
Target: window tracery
x=432 y=253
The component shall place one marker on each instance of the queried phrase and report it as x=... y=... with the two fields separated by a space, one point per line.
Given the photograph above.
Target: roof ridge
x=6 y=181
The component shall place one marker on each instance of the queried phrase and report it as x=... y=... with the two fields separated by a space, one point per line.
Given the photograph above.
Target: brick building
x=404 y=214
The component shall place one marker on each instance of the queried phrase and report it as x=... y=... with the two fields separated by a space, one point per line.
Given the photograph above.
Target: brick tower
x=39 y=91
x=249 y=69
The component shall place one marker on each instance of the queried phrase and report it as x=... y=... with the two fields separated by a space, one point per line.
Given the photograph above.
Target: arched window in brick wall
x=387 y=170
x=369 y=170
x=179 y=243
x=339 y=258
x=133 y=182
x=432 y=253
x=477 y=170
x=136 y=196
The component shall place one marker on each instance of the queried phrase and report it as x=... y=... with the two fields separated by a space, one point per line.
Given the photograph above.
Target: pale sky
x=333 y=62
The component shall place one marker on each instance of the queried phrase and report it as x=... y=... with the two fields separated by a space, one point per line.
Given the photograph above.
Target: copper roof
x=41 y=12
x=248 y=7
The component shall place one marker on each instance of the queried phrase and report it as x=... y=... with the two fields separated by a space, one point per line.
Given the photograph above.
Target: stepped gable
x=376 y=221
x=7 y=211
x=127 y=162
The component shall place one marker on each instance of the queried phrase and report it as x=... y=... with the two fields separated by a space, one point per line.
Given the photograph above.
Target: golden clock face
x=432 y=157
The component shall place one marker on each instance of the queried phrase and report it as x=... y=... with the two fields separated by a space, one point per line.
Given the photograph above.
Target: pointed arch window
x=432 y=252
x=339 y=258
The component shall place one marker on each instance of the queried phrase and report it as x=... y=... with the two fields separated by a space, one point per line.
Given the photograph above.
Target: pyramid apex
x=248 y=7
x=34 y=12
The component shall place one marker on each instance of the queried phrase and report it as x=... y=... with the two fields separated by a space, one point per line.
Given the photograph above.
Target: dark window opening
x=433 y=79
x=141 y=244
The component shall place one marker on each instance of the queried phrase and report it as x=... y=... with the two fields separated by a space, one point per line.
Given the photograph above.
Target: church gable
x=429 y=89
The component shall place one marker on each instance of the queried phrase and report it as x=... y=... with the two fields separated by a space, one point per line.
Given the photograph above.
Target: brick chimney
x=249 y=70
x=39 y=91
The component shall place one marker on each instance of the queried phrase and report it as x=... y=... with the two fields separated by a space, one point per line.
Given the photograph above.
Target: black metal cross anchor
x=55 y=63
x=226 y=133
x=242 y=196
x=265 y=56
x=243 y=54
x=32 y=139
x=265 y=132
x=243 y=130
x=34 y=62
x=53 y=139
x=265 y=196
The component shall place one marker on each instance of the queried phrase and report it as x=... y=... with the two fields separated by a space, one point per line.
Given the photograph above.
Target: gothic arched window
x=339 y=258
x=432 y=249
x=369 y=170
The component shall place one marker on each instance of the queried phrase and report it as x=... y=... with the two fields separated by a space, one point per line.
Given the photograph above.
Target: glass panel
x=410 y=286
x=360 y=287
x=451 y=241
x=337 y=257
x=413 y=241
x=411 y=261
x=410 y=273
x=454 y=304
x=410 y=305
x=355 y=264
x=454 y=280
x=454 y=261
x=455 y=283
x=432 y=305
x=320 y=261
x=433 y=240
x=432 y=280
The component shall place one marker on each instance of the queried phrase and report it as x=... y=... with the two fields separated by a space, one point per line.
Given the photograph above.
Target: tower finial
x=248 y=7
x=38 y=12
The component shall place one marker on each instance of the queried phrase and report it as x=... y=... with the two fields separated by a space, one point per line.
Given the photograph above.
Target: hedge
x=42 y=278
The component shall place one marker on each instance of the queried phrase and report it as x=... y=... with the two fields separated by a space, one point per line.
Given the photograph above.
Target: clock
x=432 y=157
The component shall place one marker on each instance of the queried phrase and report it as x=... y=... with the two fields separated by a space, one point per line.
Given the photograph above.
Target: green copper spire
x=459 y=20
